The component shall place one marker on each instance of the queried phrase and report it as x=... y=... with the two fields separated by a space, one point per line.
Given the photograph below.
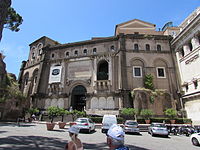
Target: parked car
x=84 y=124
x=195 y=138
x=158 y=129
x=131 y=126
x=108 y=120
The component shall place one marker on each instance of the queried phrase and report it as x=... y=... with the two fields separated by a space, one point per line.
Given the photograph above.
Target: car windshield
x=81 y=120
x=159 y=125
x=131 y=123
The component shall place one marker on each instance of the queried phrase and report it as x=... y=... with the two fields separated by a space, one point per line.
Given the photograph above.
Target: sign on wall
x=55 y=74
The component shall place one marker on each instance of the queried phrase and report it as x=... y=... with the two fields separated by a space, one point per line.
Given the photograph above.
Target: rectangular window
x=161 y=72
x=137 y=71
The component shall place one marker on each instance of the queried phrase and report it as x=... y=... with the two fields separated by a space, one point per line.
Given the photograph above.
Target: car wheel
x=89 y=130
x=152 y=133
x=195 y=141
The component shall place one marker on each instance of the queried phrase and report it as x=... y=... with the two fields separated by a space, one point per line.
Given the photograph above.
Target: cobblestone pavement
x=34 y=136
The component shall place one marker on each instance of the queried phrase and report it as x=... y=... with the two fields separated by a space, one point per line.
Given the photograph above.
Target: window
x=147 y=47
x=161 y=72
x=40 y=51
x=33 y=55
x=190 y=46
x=94 y=50
x=52 y=55
x=35 y=80
x=85 y=51
x=76 y=53
x=112 y=48
x=158 y=47
x=195 y=84
x=136 y=47
x=182 y=52
x=137 y=71
x=67 y=54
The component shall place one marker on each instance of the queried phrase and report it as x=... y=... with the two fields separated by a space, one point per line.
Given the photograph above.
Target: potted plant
x=146 y=114
x=128 y=113
x=75 y=114
x=32 y=111
x=52 y=112
x=171 y=113
x=61 y=113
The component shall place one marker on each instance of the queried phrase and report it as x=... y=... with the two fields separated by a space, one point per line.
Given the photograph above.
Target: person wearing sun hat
x=75 y=143
x=115 y=138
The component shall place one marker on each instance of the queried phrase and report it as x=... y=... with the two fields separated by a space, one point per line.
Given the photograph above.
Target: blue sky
x=78 y=20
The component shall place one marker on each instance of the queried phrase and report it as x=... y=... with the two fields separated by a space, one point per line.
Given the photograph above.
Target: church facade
x=98 y=75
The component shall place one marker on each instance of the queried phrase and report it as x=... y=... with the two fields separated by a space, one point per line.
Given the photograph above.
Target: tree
x=146 y=113
x=9 y=18
x=129 y=113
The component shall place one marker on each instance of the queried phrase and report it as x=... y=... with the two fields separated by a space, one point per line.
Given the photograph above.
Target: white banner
x=55 y=74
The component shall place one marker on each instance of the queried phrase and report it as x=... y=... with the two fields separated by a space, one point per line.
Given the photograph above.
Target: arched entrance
x=78 y=99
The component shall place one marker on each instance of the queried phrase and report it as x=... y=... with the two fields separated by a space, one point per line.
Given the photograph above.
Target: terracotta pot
x=172 y=121
x=50 y=126
x=61 y=125
x=147 y=121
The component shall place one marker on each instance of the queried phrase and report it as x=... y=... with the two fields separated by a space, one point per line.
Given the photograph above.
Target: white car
x=158 y=129
x=195 y=138
x=107 y=122
x=84 y=124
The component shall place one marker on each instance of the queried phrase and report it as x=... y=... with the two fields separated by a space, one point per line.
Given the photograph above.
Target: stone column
x=195 y=42
x=186 y=49
x=94 y=71
x=110 y=70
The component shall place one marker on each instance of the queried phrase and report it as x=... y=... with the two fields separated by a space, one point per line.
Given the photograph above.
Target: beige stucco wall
x=193 y=111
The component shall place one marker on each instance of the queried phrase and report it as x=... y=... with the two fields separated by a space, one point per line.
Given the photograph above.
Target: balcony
x=102 y=85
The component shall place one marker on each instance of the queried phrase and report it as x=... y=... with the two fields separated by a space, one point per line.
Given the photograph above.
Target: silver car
x=85 y=124
x=158 y=129
x=131 y=126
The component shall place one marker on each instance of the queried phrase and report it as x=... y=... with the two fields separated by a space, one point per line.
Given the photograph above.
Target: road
x=34 y=136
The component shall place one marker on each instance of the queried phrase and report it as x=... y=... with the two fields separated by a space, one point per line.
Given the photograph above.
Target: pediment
x=137 y=24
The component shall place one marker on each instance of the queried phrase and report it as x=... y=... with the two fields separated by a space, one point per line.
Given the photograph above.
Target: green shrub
x=171 y=113
x=52 y=112
x=128 y=113
x=146 y=113
x=148 y=82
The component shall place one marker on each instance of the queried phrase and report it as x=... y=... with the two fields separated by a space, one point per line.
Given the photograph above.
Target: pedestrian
x=33 y=117
x=115 y=138
x=75 y=143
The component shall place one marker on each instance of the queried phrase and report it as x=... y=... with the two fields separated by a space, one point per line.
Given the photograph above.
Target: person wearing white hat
x=75 y=143
x=115 y=138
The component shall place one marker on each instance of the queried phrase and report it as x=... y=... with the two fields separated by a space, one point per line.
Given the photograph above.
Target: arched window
x=94 y=50
x=147 y=47
x=136 y=47
x=76 y=53
x=158 y=47
x=26 y=77
x=85 y=51
x=112 y=48
x=190 y=46
x=102 y=73
x=67 y=54
x=52 y=55
x=33 y=55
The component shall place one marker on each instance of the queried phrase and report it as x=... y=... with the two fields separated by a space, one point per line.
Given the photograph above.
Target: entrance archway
x=78 y=99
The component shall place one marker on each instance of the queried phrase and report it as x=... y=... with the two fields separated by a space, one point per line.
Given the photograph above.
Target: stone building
x=98 y=74
x=187 y=48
